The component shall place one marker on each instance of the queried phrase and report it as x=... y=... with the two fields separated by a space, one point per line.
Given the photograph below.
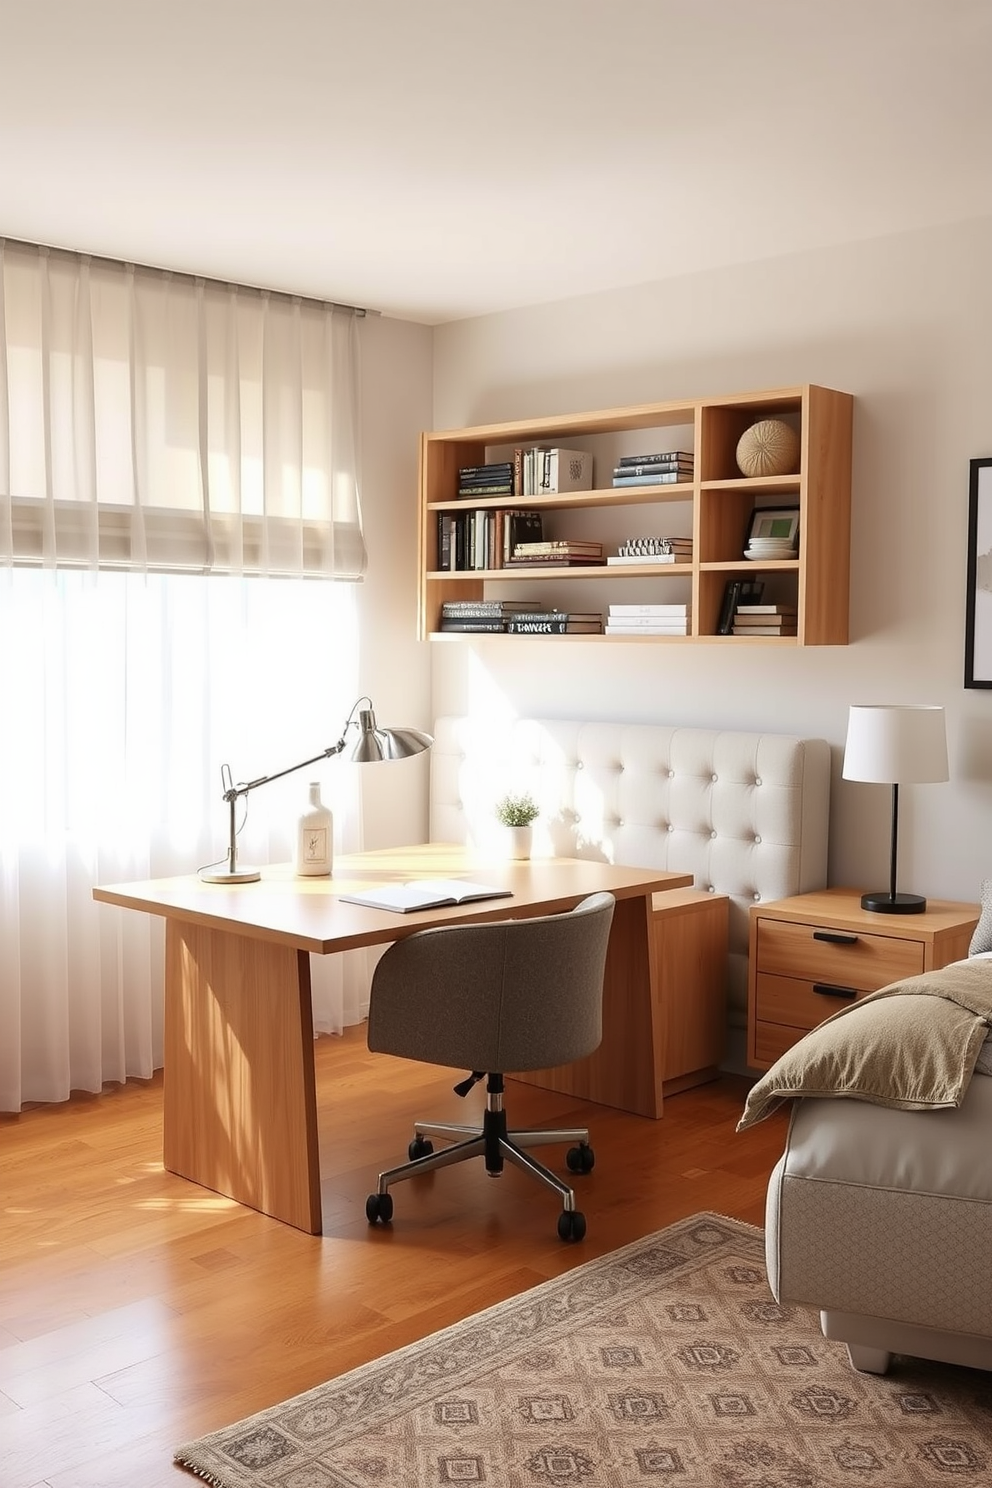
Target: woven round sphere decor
x=769 y=447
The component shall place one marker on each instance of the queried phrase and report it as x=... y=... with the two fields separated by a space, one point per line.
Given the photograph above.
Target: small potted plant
x=517 y=812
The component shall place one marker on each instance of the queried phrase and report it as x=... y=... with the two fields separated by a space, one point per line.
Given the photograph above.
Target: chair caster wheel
x=379 y=1206
x=419 y=1147
x=580 y=1159
x=571 y=1225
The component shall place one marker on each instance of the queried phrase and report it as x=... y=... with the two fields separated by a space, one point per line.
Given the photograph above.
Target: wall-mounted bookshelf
x=714 y=508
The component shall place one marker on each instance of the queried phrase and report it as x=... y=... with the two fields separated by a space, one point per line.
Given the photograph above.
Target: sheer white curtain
x=177 y=466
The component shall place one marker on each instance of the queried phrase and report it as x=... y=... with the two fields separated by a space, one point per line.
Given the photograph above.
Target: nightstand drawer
x=800 y=1004
x=772 y=1040
x=815 y=953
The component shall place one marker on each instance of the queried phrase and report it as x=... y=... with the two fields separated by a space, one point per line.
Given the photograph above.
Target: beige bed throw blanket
x=912 y=1045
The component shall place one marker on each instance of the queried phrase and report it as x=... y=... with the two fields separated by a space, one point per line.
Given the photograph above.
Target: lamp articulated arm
x=373 y=744
x=231 y=794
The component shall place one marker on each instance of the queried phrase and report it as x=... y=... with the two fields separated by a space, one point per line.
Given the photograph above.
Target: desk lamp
x=895 y=746
x=373 y=744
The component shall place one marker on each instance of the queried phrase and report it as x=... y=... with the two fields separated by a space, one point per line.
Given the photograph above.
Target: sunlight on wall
x=570 y=818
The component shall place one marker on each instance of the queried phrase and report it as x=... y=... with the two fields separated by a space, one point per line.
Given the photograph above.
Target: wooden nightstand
x=810 y=955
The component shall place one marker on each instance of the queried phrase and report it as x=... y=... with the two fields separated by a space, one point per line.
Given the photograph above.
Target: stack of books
x=482 y=616
x=653 y=550
x=649 y=619
x=765 y=620
x=495 y=479
x=556 y=622
x=664 y=469
x=483 y=538
x=555 y=553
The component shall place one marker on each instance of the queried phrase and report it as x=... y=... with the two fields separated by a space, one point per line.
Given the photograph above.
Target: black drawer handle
x=834 y=937
x=827 y=989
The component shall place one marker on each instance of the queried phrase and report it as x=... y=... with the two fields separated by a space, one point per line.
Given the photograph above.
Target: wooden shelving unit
x=714 y=507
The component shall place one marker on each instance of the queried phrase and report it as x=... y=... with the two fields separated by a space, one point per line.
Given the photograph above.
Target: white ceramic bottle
x=314 y=847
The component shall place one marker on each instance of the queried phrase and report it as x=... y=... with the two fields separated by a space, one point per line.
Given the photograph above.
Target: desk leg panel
x=240 y=1113
x=626 y=1070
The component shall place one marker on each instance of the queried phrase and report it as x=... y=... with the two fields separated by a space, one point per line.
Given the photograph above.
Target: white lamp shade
x=896 y=745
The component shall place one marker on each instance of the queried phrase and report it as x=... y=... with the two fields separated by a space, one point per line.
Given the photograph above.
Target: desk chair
x=512 y=995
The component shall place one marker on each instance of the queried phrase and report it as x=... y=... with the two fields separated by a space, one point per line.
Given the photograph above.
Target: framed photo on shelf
x=978 y=609
x=779 y=523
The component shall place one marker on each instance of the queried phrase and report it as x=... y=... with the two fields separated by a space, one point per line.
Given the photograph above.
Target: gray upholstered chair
x=511 y=995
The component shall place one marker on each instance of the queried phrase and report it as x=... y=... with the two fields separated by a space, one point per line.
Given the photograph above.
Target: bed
x=879 y=1212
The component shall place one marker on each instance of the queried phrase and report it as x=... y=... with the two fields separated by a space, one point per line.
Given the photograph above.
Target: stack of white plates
x=769 y=548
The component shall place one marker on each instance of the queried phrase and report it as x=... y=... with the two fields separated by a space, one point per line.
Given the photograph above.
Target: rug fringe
x=199 y=1472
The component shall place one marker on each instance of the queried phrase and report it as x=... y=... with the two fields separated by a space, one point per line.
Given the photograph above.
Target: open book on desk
x=425 y=893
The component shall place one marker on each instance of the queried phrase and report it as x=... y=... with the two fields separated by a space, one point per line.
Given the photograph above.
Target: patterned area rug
x=666 y=1362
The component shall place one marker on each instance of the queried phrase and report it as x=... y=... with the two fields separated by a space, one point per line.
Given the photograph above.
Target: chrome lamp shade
x=895 y=745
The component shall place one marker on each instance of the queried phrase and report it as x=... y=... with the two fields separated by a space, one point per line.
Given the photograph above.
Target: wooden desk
x=240 y=1114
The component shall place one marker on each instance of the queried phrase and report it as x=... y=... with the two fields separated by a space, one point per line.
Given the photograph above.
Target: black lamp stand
x=890 y=902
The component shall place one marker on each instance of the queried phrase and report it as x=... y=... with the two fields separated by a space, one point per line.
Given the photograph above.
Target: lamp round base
x=224 y=875
x=882 y=902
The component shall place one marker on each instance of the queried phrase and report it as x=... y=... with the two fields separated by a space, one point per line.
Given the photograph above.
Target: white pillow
x=982 y=938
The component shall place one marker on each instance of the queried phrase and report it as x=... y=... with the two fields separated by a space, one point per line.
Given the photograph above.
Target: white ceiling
x=436 y=159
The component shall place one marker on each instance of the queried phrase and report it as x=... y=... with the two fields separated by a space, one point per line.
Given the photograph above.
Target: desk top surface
x=309 y=914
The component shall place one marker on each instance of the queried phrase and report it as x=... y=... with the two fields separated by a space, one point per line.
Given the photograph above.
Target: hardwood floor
x=138 y=1311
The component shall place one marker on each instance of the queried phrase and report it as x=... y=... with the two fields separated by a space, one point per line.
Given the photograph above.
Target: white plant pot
x=519 y=841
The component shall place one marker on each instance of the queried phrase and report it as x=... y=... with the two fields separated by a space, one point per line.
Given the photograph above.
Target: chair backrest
x=506 y=995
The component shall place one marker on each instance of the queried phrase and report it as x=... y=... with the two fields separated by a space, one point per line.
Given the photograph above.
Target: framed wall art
x=774 y=524
x=978 y=620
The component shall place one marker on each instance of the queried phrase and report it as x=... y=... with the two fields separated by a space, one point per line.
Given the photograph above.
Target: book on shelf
x=555 y=624
x=742 y=618
x=661 y=457
x=614 y=628
x=764 y=630
x=619 y=559
x=518 y=527
x=443 y=540
x=766 y=609
x=558 y=548
x=517 y=559
x=658 y=478
x=751 y=622
x=650 y=468
x=426 y=893
x=735 y=592
x=640 y=547
x=650 y=609
x=554 y=544
x=481 y=472
x=537 y=612
x=563 y=470
x=548 y=470
x=470 y=493
x=650 y=622
x=470 y=607
x=477 y=625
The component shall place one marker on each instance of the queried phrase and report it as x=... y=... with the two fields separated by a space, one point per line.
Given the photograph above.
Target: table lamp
x=895 y=745
x=373 y=744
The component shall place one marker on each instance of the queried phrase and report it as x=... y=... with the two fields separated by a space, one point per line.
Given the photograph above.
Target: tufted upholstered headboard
x=746 y=814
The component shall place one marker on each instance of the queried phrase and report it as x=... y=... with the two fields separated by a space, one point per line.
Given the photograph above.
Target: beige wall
x=903 y=323
x=395 y=667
